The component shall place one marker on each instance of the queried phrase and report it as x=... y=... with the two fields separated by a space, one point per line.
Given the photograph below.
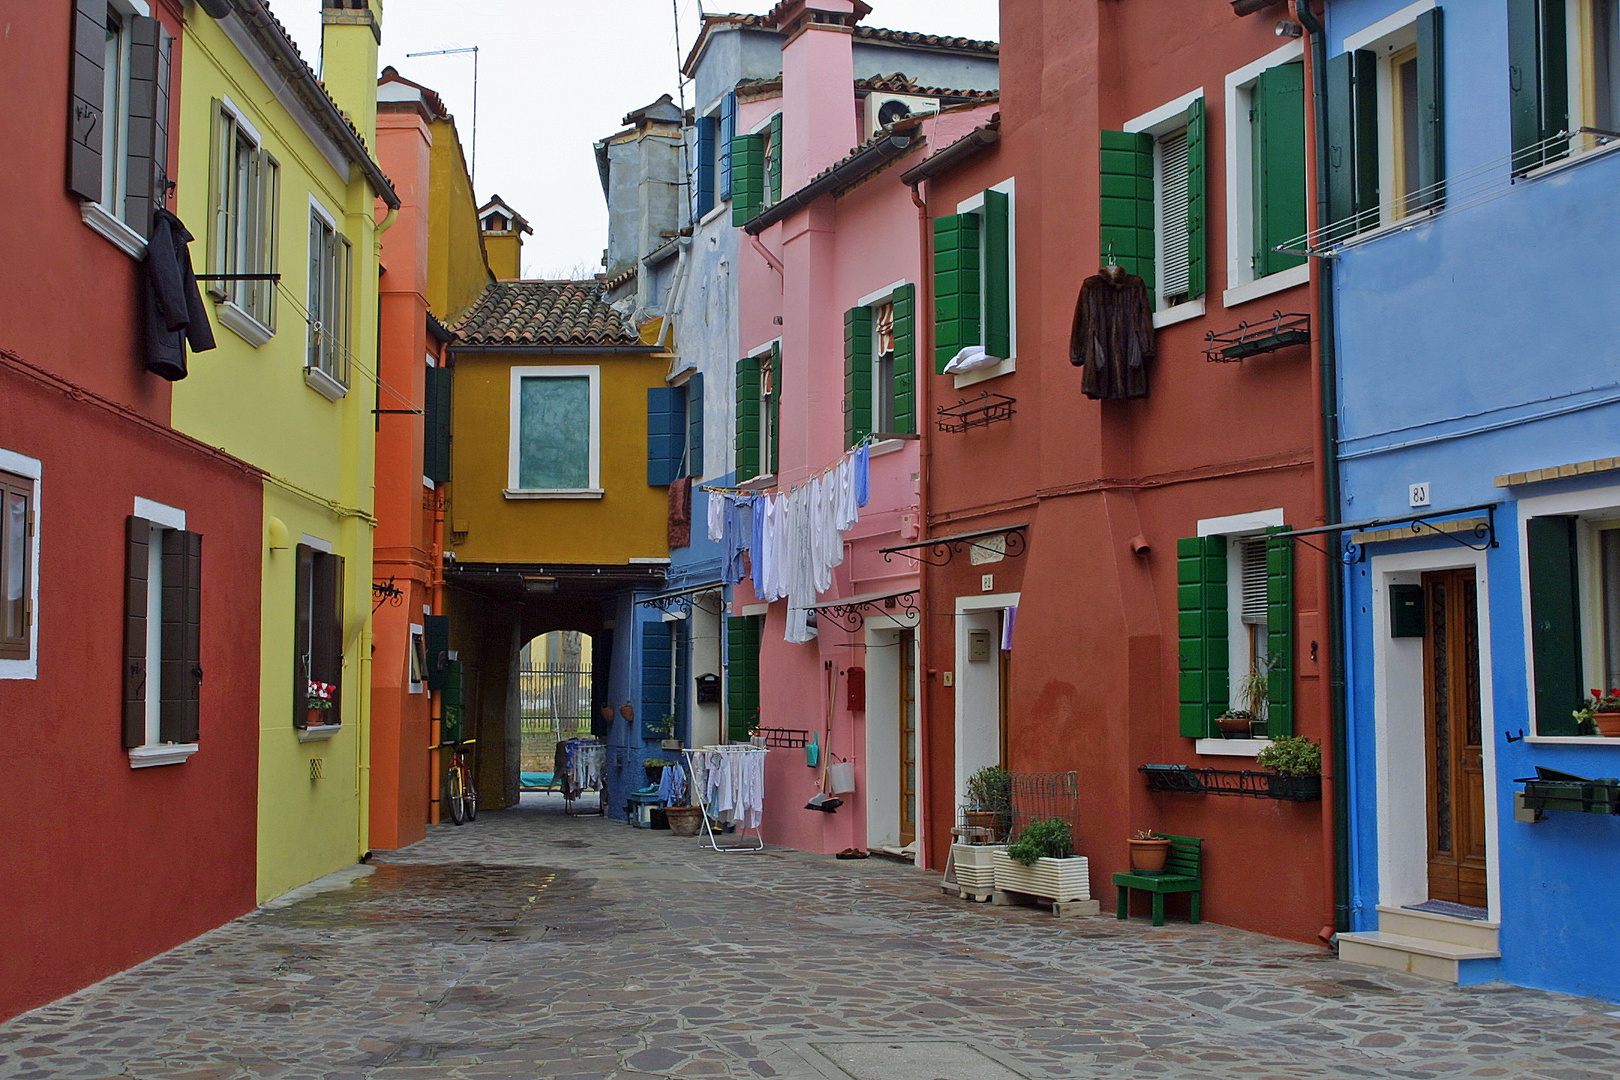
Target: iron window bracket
x=385 y=592
x=1421 y=525
x=849 y=616
x=943 y=550
x=680 y=601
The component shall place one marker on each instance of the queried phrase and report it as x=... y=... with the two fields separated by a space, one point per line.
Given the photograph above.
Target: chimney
x=351 y=30
x=818 y=85
x=503 y=230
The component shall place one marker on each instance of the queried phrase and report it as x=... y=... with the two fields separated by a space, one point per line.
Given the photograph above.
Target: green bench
x=1183 y=873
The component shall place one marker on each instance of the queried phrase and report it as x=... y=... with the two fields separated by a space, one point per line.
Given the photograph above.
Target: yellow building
x=276 y=180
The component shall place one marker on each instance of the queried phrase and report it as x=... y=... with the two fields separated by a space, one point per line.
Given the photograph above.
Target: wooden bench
x=1183 y=873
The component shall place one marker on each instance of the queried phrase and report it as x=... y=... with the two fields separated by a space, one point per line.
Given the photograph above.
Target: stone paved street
x=529 y=944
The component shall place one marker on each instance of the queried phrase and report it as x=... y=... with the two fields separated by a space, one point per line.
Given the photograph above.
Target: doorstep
x=1444 y=961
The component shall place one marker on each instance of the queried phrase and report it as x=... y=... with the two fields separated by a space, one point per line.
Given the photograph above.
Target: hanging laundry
x=718 y=504
x=863 y=474
x=1112 y=336
x=680 y=512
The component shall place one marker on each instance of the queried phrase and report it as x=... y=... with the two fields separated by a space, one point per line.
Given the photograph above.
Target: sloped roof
x=543 y=313
x=909 y=38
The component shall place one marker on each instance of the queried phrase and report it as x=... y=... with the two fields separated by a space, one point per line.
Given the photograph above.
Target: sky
x=555 y=76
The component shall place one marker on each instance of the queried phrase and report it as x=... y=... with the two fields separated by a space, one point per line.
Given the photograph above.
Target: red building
x=1119 y=586
x=129 y=554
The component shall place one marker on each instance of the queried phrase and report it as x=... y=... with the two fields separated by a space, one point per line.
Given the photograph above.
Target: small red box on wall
x=856 y=692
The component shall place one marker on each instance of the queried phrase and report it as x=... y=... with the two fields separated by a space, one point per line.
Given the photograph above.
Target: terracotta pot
x=1232 y=725
x=312 y=717
x=1608 y=723
x=684 y=820
x=1148 y=856
x=627 y=711
x=994 y=820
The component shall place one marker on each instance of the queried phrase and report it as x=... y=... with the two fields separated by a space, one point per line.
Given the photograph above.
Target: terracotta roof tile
x=543 y=313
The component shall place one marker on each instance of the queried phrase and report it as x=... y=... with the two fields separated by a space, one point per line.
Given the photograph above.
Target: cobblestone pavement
x=529 y=944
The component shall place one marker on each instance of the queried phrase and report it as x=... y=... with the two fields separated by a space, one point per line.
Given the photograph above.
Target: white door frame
x=965 y=606
x=883 y=763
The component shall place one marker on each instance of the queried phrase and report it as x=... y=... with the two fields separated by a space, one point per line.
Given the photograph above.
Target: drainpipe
x=924 y=301
x=1329 y=457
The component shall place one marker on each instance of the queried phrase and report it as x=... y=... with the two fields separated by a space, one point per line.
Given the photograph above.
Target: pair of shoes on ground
x=851 y=853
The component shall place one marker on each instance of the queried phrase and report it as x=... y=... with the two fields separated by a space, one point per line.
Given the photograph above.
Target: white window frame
x=328 y=384
x=28 y=469
x=762 y=355
x=415 y=633
x=105 y=215
x=1242 y=285
x=246 y=257
x=875 y=300
x=515 y=427
x=1235 y=528
x=154 y=751
x=1168 y=119
x=974 y=204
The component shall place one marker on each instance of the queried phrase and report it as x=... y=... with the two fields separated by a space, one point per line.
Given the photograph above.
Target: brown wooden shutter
x=182 y=639
x=138 y=535
x=85 y=99
x=327 y=651
x=302 y=581
x=150 y=47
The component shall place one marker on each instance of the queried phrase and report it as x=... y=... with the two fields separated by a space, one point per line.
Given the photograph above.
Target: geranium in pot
x=1297 y=764
x=1149 y=851
x=1600 y=713
x=317 y=700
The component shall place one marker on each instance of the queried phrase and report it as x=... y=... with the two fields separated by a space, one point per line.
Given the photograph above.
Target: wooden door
x=1455 y=752
x=906 y=645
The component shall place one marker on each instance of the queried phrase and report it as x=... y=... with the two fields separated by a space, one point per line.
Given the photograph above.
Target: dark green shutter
x=1352 y=123
x=1431 y=113
x=775 y=177
x=666 y=433
x=694 y=425
x=303 y=575
x=743 y=633
x=905 y=360
x=452 y=702
x=1127 y=203
x=138 y=534
x=179 y=707
x=956 y=286
x=747 y=177
x=436 y=631
x=1279 y=166
x=1538 y=80
x=657 y=664
x=436 y=425
x=1280 y=634
x=87 y=99
x=1197 y=199
x=724 y=135
x=748 y=418
x=1555 y=623
x=327 y=651
x=775 y=418
x=1204 y=682
x=857 y=375
x=998 y=301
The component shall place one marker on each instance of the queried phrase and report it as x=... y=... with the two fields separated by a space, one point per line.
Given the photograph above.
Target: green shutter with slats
x=998 y=301
x=1279 y=166
x=452 y=701
x=748 y=418
x=694 y=425
x=1352 y=124
x=905 y=360
x=1204 y=683
x=1279 y=634
x=1538 y=80
x=1431 y=161
x=436 y=630
x=1555 y=623
x=956 y=286
x=1197 y=199
x=743 y=634
x=1127 y=203
x=436 y=425
x=747 y=177
x=857 y=374
x=775 y=418
x=657 y=664
x=774 y=177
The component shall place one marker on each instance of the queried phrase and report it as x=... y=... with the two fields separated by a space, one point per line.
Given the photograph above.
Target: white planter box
x=1058 y=880
x=975 y=866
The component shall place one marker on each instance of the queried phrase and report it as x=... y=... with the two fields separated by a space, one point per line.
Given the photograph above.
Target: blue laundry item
x=739 y=537
x=863 y=474
x=757 y=545
x=672 y=785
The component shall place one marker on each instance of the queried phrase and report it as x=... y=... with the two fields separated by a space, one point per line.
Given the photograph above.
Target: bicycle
x=460 y=793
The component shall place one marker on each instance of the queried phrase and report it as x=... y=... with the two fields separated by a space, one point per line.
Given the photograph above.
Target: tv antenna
x=473 y=169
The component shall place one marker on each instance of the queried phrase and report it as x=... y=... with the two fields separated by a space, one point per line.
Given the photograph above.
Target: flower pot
x=312 y=717
x=1608 y=723
x=1058 y=880
x=1148 y=856
x=684 y=820
x=994 y=820
x=975 y=865
x=1234 y=727
x=1294 y=788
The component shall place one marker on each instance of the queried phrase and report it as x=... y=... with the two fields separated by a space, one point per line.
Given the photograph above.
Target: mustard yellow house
x=287 y=203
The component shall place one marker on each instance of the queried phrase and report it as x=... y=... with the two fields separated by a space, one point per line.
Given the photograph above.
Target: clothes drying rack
x=699 y=792
x=576 y=771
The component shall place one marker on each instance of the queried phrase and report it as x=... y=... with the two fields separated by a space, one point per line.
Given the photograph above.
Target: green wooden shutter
x=775 y=418
x=775 y=171
x=1279 y=166
x=1555 y=623
x=998 y=300
x=452 y=701
x=657 y=665
x=956 y=286
x=748 y=418
x=327 y=652
x=1431 y=112
x=857 y=374
x=436 y=631
x=179 y=707
x=694 y=425
x=137 y=537
x=1538 y=80
x=666 y=433
x=1352 y=123
x=747 y=178
x=743 y=633
x=1204 y=683
x=905 y=360
x=1197 y=199
x=436 y=425
x=1280 y=634
x=87 y=99
x=1127 y=203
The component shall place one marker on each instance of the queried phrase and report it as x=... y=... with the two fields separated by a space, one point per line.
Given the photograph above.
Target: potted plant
x=1600 y=713
x=1297 y=764
x=1041 y=862
x=684 y=820
x=989 y=795
x=1149 y=852
x=317 y=699
x=1254 y=691
x=655 y=768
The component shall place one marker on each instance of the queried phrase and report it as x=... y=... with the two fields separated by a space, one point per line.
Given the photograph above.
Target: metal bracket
x=386 y=592
x=941 y=551
x=848 y=617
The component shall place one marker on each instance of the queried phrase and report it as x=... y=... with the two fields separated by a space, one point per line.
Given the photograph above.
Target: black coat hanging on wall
x=174 y=307
x=1113 y=335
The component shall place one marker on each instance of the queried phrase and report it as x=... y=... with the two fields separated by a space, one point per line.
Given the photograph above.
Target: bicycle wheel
x=453 y=798
x=469 y=797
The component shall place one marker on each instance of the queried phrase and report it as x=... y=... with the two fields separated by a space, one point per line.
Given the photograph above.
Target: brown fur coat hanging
x=1113 y=335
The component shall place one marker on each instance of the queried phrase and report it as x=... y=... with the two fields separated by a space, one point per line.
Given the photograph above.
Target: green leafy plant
x=1050 y=838
x=1292 y=755
x=655 y=763
x=1145 y=834
x=990 y=789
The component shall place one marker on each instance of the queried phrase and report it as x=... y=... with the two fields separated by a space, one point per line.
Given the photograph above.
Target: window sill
x=1271 y=283
x=123 y=237
x=720 y=209
x=1006 y=367
x=1230 y=747
x=561 y=493
x=1178 y=314
x=243 y=325
x=324 y=385
x=887 y=446
x=144 y=757
x=1576 y=157
x=318 y=732
x=1573 y=740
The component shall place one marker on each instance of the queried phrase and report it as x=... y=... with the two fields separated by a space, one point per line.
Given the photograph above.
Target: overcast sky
x=554 y=76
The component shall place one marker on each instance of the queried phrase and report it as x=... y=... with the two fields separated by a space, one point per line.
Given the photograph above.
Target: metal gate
x=556 y=705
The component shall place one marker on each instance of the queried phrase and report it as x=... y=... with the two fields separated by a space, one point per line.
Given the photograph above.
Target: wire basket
x=1046 y=795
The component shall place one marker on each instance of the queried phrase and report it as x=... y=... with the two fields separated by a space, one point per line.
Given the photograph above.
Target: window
x=880 y=367
x=756 y=171
x=711 y=153
x=162 y=661
x=119 y=114
x=1265 y=154
x=1386 y=128
x=246 y=183
x=16 y=566
x=317 y=638
x=973 y=279
x=759 y=413
x=418 y=660
x=1563 y=77
x=555 y=433
x=675 y=431
x=1153 y=207
x=1574 y=589
x=330 y=267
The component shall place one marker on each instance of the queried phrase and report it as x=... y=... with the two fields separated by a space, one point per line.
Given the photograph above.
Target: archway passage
x=555 y=702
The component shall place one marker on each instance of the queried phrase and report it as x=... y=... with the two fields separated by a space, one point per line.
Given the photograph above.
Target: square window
x=555 y=425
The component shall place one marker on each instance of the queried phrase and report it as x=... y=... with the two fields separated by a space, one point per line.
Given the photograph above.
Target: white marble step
x=1417 y=956
x=1431 y=926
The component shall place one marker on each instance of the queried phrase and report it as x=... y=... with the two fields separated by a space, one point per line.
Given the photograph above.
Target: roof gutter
x=980 y=138
x=842 y=176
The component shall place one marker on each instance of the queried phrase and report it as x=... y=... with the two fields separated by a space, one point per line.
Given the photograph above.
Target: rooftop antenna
x=473 y=171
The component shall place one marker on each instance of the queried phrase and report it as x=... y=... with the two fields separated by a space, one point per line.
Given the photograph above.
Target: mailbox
x=708 y=689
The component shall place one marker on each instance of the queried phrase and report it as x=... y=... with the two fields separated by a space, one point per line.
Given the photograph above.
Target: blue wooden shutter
x=905 y=360
x=708 y=129
x=666 y=433
x=1538 y=80
x=694 y=425
x=727 y=131
x=956 y=285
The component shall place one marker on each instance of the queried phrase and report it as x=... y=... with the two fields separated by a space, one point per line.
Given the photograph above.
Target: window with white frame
x=880 y=365
x=1564 y=78
x=1152 y=212
x=1265 y=157
x=331 y=268
x=974 y=285
x=759 y=412
x=17 y=499
x=1574 y=607
x=162 y=661
x=245 y=186
x=555 y=432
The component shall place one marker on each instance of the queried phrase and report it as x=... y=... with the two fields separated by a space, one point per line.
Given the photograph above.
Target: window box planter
x=1058 y=880
x=1553 y=790
x=1295 y=788
x=975 y=865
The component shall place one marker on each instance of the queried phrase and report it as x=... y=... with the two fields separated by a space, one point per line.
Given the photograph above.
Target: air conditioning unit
x=884 y=109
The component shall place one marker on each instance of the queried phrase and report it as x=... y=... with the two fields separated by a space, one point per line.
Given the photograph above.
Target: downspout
x=924 y=337
x=1322 y=283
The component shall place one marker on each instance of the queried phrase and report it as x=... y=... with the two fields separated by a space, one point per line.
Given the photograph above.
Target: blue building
x=1470 y=234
